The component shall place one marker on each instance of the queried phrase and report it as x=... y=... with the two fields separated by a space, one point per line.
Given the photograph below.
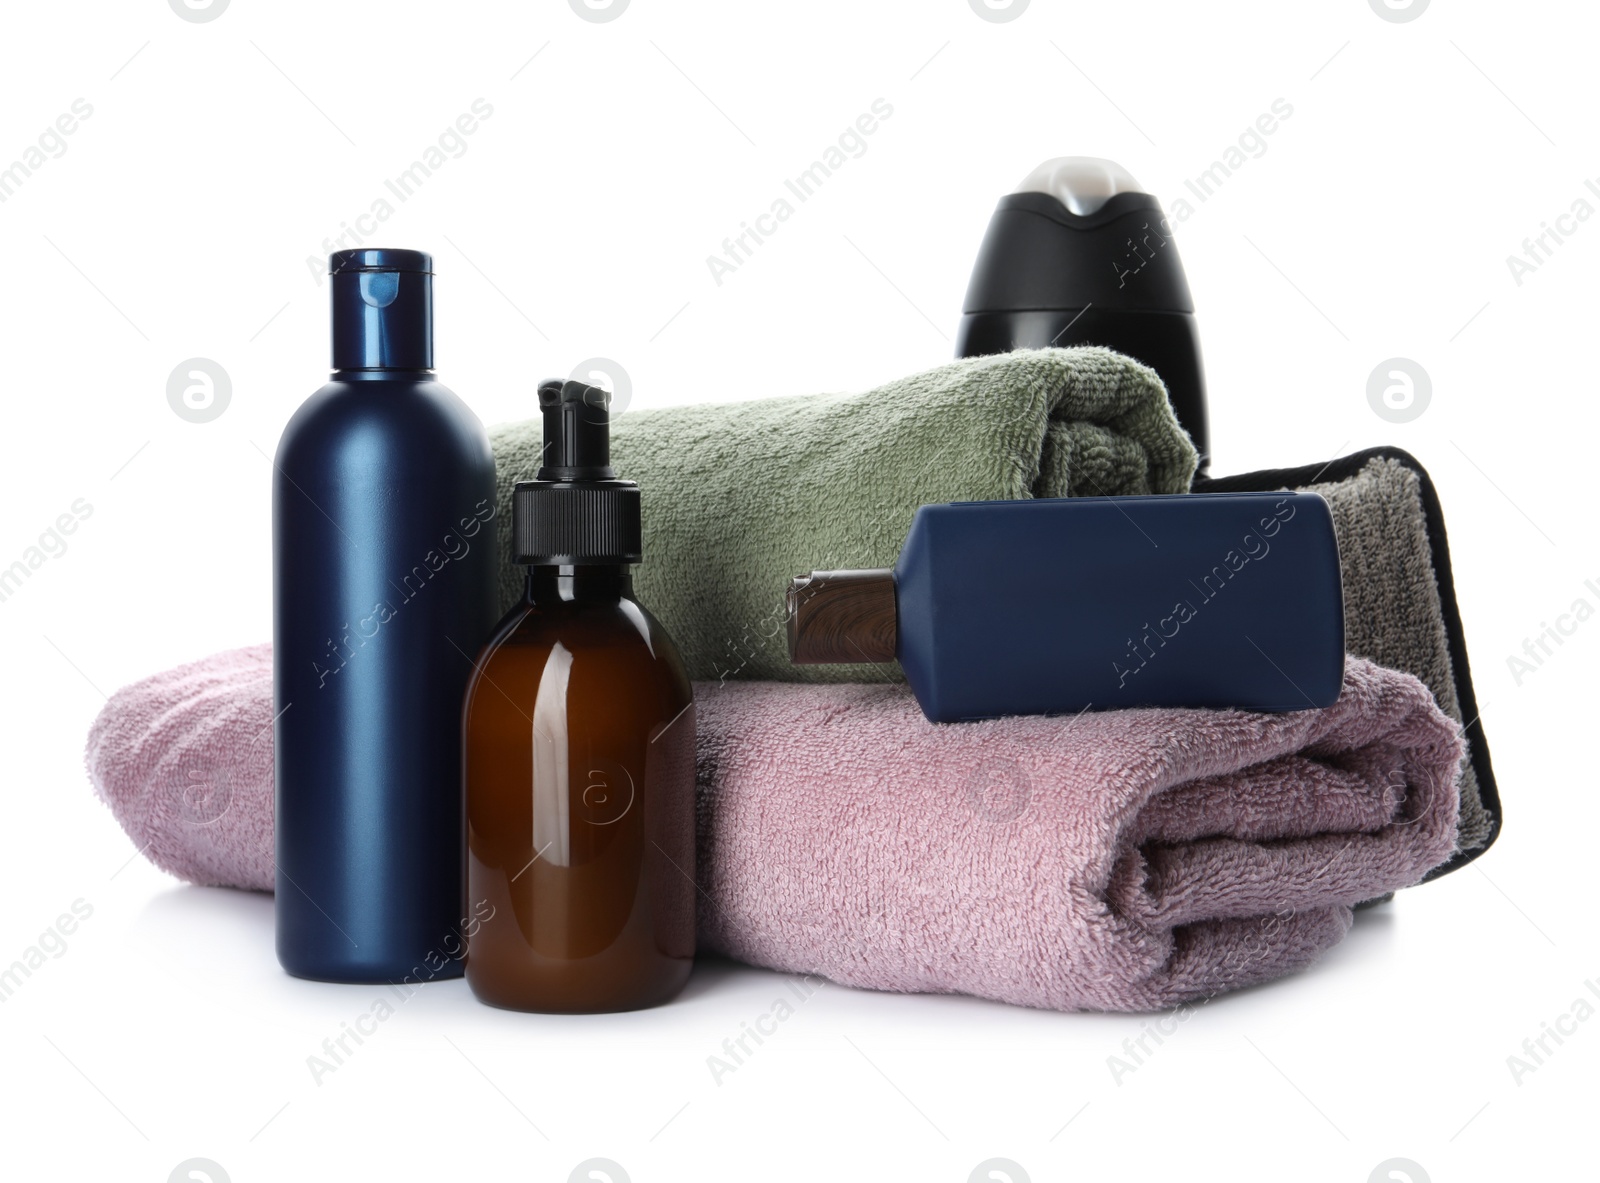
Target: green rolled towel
x=741 y=497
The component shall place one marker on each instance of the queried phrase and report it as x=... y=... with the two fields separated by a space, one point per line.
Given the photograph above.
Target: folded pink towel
x=1119 y=861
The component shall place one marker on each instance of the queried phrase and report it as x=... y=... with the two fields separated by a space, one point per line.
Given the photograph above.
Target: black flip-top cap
x=382 y=309
x=576 y=512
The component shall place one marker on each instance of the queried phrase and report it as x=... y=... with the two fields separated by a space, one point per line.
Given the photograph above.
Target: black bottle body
x=384 y=578
x=1167 y=342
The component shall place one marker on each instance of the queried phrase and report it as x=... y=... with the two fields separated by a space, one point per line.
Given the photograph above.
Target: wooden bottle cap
x=835 y=617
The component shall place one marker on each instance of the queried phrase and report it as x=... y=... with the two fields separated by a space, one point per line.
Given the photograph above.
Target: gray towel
x=1399 y=598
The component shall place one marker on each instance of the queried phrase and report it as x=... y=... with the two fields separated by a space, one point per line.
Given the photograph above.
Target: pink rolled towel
x=1119 y=861
x=184 y=760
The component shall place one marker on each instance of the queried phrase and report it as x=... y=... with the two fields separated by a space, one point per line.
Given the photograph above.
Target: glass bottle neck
x=582 y=584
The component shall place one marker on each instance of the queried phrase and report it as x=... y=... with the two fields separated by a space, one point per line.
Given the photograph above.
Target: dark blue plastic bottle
x=1061 y=605
x=384 y=569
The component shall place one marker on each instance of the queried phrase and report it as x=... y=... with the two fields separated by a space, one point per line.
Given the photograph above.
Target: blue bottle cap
x=382 y=309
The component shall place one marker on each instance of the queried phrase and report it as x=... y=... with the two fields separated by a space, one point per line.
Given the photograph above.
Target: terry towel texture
x=184 y=760
x=1118 y=861
x=1399 y=598
x=739 y=498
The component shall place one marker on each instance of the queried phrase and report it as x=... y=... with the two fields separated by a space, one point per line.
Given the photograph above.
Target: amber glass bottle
x=579 y=752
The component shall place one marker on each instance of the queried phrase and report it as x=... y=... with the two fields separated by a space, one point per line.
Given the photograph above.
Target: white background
x=218 y=158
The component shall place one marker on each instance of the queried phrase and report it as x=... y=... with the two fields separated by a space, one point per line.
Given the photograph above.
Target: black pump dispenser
x=575 y=512
x=577 y=432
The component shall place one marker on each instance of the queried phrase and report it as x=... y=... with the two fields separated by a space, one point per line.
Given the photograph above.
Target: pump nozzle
x=577 y=432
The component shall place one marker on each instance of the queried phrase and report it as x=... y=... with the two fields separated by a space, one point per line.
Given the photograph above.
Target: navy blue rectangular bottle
x=384 y=570
x=1061 y=605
